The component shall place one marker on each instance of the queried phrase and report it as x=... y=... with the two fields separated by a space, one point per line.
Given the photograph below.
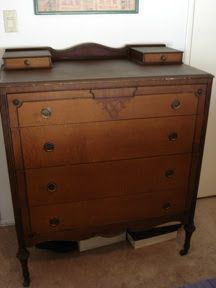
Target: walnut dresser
x=101 y=140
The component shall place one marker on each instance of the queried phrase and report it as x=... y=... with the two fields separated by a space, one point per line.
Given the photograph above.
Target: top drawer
x=156 y=55
x=50 y=108
x=27 y=60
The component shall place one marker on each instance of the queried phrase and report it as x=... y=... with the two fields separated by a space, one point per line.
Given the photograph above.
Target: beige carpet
x=119 y=265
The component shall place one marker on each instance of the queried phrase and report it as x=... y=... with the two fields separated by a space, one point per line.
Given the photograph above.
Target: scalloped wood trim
x=88 y=51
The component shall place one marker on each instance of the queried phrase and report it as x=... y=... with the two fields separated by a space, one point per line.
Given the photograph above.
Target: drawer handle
x=16 y=102
x=46 y=112
x=163 y=58
x=175 y=104
x=27 y=62
x=51 y=187
x=173 y=136
x=54 y=221
x=166 y=206
x=169 y=173
x=199 y=91
x=48 y=147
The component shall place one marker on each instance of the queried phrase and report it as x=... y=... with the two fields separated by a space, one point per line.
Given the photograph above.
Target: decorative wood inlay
x=113 y=106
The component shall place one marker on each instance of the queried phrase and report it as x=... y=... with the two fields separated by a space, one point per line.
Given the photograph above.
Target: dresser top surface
x=88 y=70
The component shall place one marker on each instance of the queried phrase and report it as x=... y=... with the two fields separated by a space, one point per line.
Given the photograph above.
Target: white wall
x=157 y=22
x=203 y=56
x=6 y=211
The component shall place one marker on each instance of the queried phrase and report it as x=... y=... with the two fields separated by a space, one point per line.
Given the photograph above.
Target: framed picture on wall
x=85 y=6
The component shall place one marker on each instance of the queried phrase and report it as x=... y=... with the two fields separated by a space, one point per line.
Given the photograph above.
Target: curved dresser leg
x=189 y=229
x=23 y=255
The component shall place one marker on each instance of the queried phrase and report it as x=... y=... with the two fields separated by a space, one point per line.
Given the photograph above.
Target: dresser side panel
x=11 y=170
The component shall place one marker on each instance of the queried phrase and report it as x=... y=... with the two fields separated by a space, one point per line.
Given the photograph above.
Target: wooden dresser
x=102 y=142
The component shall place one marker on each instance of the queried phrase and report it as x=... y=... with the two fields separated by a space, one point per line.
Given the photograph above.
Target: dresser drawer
x=159 y=58
x=102 y=180
x=27 y=60
x=81 y=109
x=156 y=55
x=26 y=63
x=106 y=211
x=103 y=141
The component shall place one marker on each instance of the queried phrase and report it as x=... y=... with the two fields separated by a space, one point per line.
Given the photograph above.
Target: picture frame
x=52 y=7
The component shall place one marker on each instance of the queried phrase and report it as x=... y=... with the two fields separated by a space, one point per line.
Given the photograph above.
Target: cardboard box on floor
x=168 y=232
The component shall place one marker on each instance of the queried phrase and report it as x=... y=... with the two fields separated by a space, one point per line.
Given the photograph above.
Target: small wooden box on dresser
x=102 y=141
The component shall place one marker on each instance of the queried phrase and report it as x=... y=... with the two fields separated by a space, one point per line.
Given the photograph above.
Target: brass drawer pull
x=51 y=187
x=163 y=58
x=54 y=221
x=27 y=62
x=46 y=112
x=169 y=173
x=166 y=206
x=175 y=104
x=173 y=136
x=48 y=147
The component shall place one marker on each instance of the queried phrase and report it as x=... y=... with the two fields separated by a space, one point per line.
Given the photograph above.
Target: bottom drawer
x=106 y=211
